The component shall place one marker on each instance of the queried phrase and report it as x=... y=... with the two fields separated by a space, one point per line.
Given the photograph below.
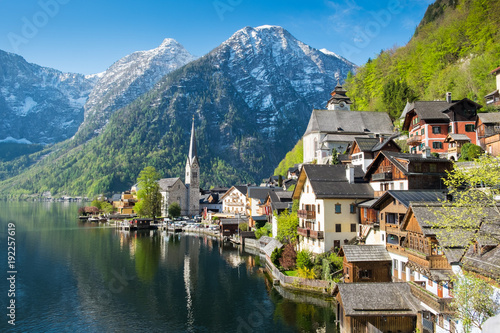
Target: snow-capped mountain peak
x=128 y=78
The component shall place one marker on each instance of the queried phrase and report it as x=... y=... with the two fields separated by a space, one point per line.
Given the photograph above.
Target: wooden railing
x=306 y=214
x=414 y=139
x=303 y=231
x=316 y=234
x=382 y=176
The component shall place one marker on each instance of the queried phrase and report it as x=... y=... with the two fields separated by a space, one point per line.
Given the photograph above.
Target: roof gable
x=340 y=121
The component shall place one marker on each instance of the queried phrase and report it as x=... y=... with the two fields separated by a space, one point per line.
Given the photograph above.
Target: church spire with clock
x=339 y=100
x=192 y=177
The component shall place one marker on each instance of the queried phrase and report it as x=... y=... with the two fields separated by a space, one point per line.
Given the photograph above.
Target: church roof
x=165 y=183
x=349 y=122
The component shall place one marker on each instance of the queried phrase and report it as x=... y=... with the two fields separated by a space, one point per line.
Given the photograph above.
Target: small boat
x=93 y=219
x=83 y=217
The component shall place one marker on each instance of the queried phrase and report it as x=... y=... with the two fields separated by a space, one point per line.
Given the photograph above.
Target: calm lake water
x=77 y=277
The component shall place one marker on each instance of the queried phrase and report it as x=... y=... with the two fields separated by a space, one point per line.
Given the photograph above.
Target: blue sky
x=87 y=36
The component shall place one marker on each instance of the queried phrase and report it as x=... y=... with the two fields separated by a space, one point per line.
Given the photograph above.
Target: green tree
x=174 y=210
x=470 y=152
x=287 y=227
x=335 y=157
x=395 y=95
x=473 y=301
x=149 y=195
x=96 y=203
x=304 y=259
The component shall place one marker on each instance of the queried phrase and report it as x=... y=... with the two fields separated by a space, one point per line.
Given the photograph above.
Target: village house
x=275 y=204
x=256 y=197
x=210 y=200
x=337 y=126
x=493 y=98
x=363 y=150
x=391 y=208
x=234 y=201
x=125 y=203
x=430 y=122
x=400 y=171
x=377 y=307
x=488 y=132
x=366 y=263
x=426 y=266
x=328 y=195
x=454 y=143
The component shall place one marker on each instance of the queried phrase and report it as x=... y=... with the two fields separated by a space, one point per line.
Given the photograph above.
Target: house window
x=395 y=264
x=450 y=129
x=353 y=209
x=437 y=145
x=365 y=274
x=469 y=128
x=195 y=174
x=319 y=210
x=338 y=208
x=307 y=189
x=436 y=130
x=338 y=227
x=401 y=186
x=430 y=283
x=353 y=227
x=383 y=238
x=423 y=131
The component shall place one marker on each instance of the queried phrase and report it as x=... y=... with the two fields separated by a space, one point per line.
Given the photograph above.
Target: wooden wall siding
x=406 y=324
x=413 y=226
x=371 y=215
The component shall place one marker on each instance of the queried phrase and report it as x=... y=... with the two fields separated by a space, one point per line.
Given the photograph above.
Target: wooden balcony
x=307 y=232
x=441 y=305
x=428 y=262
x=414 y=140
x=382 y=176
x=303 y=231
x=234 y=203
x=306 y=214
x=316 y=234
x=395 y=249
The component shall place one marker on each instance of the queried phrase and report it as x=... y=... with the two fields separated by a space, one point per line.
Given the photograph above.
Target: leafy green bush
x=266 y=230
x=304 y=259
x=470 y=152
x=243 y=226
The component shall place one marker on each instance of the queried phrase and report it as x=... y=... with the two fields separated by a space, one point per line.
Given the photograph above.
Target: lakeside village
x=404 y=242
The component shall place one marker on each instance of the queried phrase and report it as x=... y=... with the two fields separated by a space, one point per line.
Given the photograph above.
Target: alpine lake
x=72 y=276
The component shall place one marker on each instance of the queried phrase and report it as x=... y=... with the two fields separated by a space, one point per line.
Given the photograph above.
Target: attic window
x=366 y=130
x=340 y=129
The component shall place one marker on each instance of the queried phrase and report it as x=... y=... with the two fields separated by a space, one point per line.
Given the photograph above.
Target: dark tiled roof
x=329 y=181
x=404 y=197
x=357 y=253
x=260 y=193
x=393 y=157
x=433 y=109
x=377 y=298
x=328 y=121
x=242 y=188
x=366 y=144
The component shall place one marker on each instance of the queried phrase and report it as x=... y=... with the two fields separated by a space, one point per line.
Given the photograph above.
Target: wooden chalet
x=366 y=263
x=400 y=171
x=455 y=143
x=363 y=149
x=377 y=307
x=125 y=204
x=493 y=98
x=488 y=132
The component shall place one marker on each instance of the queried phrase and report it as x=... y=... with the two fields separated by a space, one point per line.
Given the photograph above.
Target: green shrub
x=304 y=259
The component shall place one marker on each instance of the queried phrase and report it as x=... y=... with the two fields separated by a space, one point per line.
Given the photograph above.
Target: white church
x=337 y=126
x=186 y=195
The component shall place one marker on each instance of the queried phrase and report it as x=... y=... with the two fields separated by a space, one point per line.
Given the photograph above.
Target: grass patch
x=290 y=273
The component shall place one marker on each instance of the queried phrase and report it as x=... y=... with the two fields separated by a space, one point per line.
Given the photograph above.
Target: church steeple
x=193 y=154
x=192 y=177
x=192 y=165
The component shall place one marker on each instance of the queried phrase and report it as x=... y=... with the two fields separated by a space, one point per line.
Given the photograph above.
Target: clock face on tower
x=342 y=104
